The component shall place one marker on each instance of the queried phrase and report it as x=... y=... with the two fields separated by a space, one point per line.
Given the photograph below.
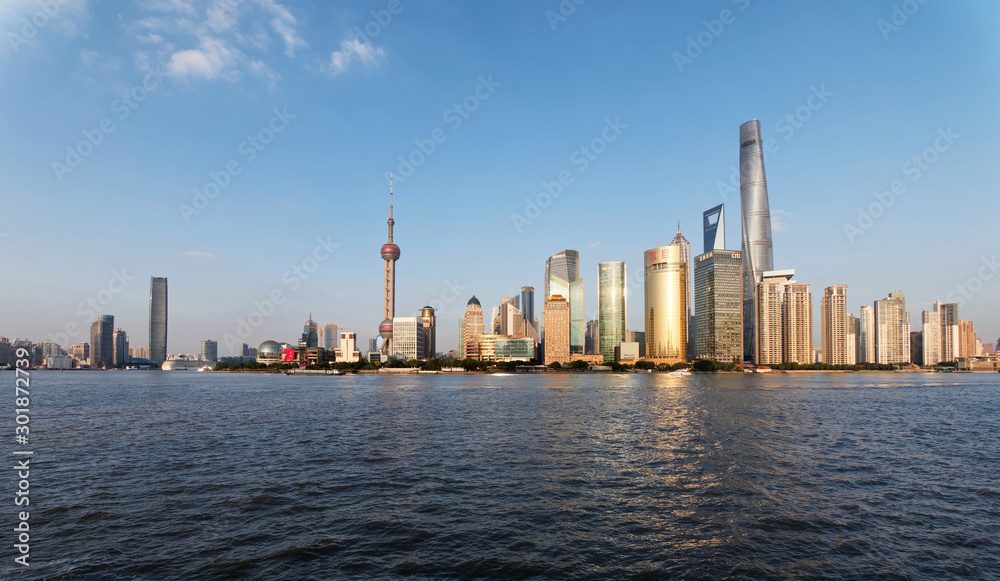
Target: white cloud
x=199 y=254
x=215 y=39
x=211 y=59
x=351 y=50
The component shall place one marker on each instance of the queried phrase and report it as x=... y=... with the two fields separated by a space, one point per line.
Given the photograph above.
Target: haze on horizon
x=884 y=129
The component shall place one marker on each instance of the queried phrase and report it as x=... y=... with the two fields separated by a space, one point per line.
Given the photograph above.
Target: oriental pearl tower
x=390 y=254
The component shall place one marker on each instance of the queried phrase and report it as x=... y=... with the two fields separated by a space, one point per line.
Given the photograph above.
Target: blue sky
x=166 y=94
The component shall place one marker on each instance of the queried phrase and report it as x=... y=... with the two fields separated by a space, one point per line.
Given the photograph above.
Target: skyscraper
x=966 y=339
x=835 y=325
x=509 y=316
x=557 y=330
x=611 y=311
x=528 y=305
x=685 y=246
x=408 y=338
x=718 y=297
x=102 y=342
x=473 y=322
x=565 y=265
x=797 y=325
x=866 y=335
x=210 y=350
x=892 y=330
x=592 y=340
x=121 y=348
x=714 y=225
x=852 y=339
x=783 y=320
x=665 y=309
x=756 y=225
x=330 y=337
x=949 y=330
x=931 y=336
x=390 y=254
x=430 y=332
x=158 y=319
x=577 y=327
x=310 y=331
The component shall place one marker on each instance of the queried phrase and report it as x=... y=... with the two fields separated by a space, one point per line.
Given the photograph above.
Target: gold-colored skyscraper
x=557 y=332
x=665 y=309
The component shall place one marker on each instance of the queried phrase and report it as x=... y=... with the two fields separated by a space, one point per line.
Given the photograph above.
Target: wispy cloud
x=778 y=219
x=594 y=245
x=354 y=50
x=199 y=254
x=21 y=21
x=217 y=39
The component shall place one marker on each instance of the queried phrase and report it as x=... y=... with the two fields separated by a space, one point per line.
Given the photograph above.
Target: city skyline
x=839 y=137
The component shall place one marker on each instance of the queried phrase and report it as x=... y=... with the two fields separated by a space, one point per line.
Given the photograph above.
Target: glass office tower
x=611 y=307
x=718 y=297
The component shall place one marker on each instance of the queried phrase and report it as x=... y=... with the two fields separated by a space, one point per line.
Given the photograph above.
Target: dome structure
x=269 y=352
x=474 y=301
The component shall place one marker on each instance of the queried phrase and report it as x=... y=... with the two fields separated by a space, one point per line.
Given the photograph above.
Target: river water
x=183 y=475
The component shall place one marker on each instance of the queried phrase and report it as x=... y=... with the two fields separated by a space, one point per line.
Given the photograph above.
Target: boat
x=680 y=372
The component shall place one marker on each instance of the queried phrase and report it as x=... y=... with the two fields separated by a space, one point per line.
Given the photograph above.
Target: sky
x=242 y=149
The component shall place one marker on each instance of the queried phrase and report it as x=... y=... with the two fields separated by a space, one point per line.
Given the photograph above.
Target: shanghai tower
x=756 y=222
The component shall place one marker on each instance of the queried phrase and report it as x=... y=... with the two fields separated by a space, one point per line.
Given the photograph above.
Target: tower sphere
x=390 y=251
x=385 y=329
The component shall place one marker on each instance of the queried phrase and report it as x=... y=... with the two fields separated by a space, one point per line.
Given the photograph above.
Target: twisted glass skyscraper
x=756 y=221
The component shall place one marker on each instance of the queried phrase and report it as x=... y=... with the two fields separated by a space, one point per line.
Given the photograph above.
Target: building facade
x=210 y=351
x=430 y=331
x=798 y=330
x=577 y=325
x=348 y=351
x=866 y=335
x=833 y=310
x=967 y=346
x=121 y=348
x=514 y=349
x=892 y=330
x=102 y=342
x=408 y=338
x=755 y=214
x=930 y=338
x=665 y=306
x=949 y=330
x=528 y=308
x=611 y=307
x=331 y=337
x=592 y=339
x=783 y=320
x=681 y=242
x=310 y=330
x=718 y=297
x=557 y=330
x=565 y=265
x=158 y=319
x=473 y=322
